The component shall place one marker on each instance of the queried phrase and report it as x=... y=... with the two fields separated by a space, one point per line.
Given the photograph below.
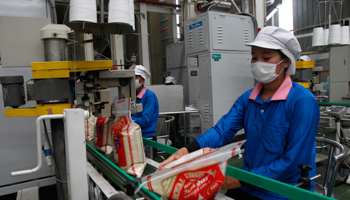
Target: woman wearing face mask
x=279 y=117
x=148 y=118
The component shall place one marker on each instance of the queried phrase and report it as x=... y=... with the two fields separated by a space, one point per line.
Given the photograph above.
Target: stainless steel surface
x=55 y=49
x=333 y=160
x=184 y=118
x=102 y=183
x=170 y=97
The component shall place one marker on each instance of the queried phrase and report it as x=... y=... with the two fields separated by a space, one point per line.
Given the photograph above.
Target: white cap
x=272 y=37
x=142 y=71
x=170 y=79
x=305 y=58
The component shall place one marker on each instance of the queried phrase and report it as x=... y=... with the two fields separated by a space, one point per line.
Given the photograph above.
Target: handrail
x=333 y=103
x=38 y=144
x=328 y=186
x=343 y=152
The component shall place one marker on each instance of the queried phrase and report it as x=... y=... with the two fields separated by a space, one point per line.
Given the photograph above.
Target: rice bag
x=90 y=127
x=103 y=137
x=128 y=144
x=199 y=175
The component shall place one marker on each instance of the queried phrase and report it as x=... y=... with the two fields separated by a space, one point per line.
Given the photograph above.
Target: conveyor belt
x=118 y=176
x=115 y=174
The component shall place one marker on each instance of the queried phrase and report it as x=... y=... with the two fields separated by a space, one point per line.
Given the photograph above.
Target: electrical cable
x=53 y=157
x=255 y=23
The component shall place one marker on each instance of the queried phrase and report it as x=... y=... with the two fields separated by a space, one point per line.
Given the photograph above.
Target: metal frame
x=277 y=187
x=75 y=153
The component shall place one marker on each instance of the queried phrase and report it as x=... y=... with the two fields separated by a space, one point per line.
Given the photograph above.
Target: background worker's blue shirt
x=148 y=118
x=280 y=135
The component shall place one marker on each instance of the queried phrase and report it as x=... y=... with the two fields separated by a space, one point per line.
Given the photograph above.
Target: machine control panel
x=336 y=111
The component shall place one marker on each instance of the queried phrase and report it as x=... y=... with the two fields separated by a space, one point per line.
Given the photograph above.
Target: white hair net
x=143 y=72
x=271 y=37
x=170 y=79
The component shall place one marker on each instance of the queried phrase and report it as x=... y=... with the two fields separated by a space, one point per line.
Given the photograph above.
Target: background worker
x=148 y=118
x=279 y=117
x=170 y=80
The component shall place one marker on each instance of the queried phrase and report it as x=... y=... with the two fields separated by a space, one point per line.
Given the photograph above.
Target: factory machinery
x=58 y=85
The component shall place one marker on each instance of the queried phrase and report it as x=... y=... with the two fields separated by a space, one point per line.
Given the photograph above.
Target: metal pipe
x=332 y=181
x=53 y=8
x=159 y=3
x=343 y=151
x=233 y=3
x=38 y=142
x=85 y=41
x=102 y=11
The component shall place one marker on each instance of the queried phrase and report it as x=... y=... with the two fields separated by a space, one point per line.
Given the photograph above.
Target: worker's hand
x=178 y=154
x=230 y=183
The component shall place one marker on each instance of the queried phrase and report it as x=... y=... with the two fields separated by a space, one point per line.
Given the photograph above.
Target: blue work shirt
x=280 y=134
x=147 y=119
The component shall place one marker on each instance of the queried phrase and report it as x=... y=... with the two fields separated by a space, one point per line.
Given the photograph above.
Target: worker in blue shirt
x=147 y=119
x=279 y=117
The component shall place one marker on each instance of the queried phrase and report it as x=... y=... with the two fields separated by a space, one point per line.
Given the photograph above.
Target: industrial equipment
x=223 y=60
x=58 y=84
x=307 y=75
x=186 y=72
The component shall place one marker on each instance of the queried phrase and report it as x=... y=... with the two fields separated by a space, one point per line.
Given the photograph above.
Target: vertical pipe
x=102 y=11
x=59 y=154
x=333 y=177
x=330 y=156
x=260 y=12
x=57 y=130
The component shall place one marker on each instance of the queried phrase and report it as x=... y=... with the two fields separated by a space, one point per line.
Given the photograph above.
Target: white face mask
x=137 y=84
x=265 y=72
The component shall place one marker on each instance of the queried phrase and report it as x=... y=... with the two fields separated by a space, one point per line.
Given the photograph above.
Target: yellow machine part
x=305 y=84
x=305 y=64
x=39 y=110
x=61 y=69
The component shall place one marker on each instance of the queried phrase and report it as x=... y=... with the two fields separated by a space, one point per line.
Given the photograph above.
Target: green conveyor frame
x=283 y=189
x=333 y=103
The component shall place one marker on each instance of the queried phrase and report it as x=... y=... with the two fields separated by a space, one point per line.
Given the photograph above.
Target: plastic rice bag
x=199 y=175
x=103 y=137
x=90 y=127
x=128 y=144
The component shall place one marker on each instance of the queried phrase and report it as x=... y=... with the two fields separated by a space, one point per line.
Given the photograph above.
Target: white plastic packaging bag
x=103 y=137
x=90 y=127
x=127 y=138
x=198 y=175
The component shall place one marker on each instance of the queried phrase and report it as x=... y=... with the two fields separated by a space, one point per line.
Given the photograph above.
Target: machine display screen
x=336 y=109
